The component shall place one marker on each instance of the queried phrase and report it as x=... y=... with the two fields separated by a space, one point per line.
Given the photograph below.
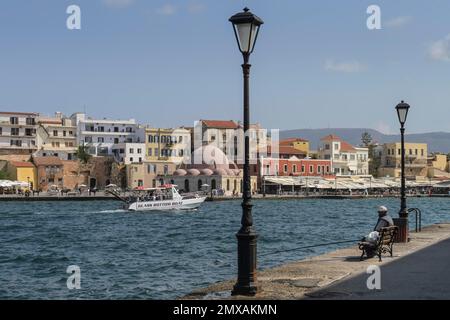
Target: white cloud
x=398 y=22
x=440 y=50
x=196 y=7
x=347 y=67
x=118 y=3
x=167 y=10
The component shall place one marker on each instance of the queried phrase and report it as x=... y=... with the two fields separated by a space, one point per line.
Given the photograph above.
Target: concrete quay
x=419 y=269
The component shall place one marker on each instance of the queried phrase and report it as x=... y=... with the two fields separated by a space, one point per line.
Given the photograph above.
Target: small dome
x=220 y=172
x=206 y=172
x=180 y=172
x=193 y=172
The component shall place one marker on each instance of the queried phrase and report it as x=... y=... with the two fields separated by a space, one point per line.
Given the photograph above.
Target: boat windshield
x=152 y=195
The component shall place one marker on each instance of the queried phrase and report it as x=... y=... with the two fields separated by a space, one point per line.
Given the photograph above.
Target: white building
x=18 y=132
x=345 y=159
x=101 y=135
x=56 y=136
x=129 y=152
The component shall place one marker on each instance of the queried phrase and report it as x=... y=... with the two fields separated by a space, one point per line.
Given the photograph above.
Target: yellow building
x=23 y=171
x=168 y=145
x=297 y=143
x=416 y=160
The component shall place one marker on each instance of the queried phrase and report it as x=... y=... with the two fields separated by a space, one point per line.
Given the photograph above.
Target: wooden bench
x=384 y=243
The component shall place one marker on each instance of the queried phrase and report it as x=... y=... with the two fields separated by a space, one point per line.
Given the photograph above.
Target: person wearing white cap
x=384 y=220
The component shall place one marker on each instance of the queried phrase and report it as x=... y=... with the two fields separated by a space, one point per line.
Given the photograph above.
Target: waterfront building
x=128 y=153
x=148 y=174
x=23 y=171
x=100 y=135
x=18 y=132
x=297 y=143
x=345 y=158
x=168 y=145
x=218 y=178
x=416 y=160
x=49 y=172
x=294 y=166
x=56 y=136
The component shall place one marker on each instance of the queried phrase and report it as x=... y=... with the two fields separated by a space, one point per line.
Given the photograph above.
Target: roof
x=331 y=137
x=347 y=147
x=287 y=150
x=22 y=164
x=220 y=124
x=47 y=161
x=19 y=113
x=291 y=140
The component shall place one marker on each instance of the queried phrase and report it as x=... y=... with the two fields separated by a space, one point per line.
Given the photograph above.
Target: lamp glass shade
x=402 y=112
x=246 y=36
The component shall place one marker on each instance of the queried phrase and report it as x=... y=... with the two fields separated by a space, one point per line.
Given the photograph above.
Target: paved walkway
x=424 y=274
x=419 y=269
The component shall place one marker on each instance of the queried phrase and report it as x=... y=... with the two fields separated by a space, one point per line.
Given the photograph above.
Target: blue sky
x=171 y=62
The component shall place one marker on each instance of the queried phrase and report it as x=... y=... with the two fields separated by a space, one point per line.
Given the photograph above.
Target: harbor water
x=164 y=255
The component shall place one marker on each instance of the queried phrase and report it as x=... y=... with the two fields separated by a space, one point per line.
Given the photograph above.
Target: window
x=1 y=131
x=116 y=140
x=311 y=169
x=336 y=146
x=213 y=138
x=16 y=143
x=328 y=169
x=14 y=120
x=14 y=131
x=64 y=133
x=410 y=152
x=294 y=168
x=29 y=132
x=156 y=152
x=336 y=157
x=181 y=153
x=88 y=139
x=180 y=139
x=319 y=169
x=421 y=150
x=131 y=150
x=352 y=157
x=139 y=150
x=55 y=144
x=71 y=133
x=150 y=152
x=30 y=121
x=116 y=129
x=131 y=160
x=389 y=152
x=100 y=139
x=327 y=146
x=399 y=152
x=416 y=152
x=101 y=129
x=166 y=169
x=303 y=168
x=285 y=168
x=140 y=159
x=150 y=139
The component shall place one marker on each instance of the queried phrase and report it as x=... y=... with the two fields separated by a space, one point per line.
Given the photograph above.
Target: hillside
x=437 y=141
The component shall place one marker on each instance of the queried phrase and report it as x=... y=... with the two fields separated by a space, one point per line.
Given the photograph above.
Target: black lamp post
x=246 y=26
x=402 y=112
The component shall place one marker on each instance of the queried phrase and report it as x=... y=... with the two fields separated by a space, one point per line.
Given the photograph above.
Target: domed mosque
x=211 y=171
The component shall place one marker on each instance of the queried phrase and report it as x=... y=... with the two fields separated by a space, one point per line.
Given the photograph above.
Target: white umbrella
x=111 y=185
x=82 y=186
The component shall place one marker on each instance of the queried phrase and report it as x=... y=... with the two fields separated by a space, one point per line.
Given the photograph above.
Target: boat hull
x=164 y=205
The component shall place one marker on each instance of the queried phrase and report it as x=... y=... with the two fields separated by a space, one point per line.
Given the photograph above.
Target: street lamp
x=402 y=113
x=246 y=27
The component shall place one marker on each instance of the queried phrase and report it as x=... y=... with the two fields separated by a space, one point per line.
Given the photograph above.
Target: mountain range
x=437 y=141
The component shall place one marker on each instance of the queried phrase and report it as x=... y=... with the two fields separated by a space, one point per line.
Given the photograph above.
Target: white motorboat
x=165 y=197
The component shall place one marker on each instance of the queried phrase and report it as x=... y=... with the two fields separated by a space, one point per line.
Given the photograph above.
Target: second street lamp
x=246 y=27
x=402 y=113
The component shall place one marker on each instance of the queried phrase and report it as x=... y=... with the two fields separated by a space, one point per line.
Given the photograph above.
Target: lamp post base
x=246 y=283
x=403 y=229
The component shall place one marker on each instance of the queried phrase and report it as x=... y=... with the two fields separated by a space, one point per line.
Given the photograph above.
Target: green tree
x=4 y=175
x=366 y=139
x=82 y=153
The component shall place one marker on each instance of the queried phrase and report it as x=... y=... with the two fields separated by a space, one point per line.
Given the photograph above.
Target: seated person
x=384 y=220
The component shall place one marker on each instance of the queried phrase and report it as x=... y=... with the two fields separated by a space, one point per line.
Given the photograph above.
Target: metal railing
x=418 y=218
